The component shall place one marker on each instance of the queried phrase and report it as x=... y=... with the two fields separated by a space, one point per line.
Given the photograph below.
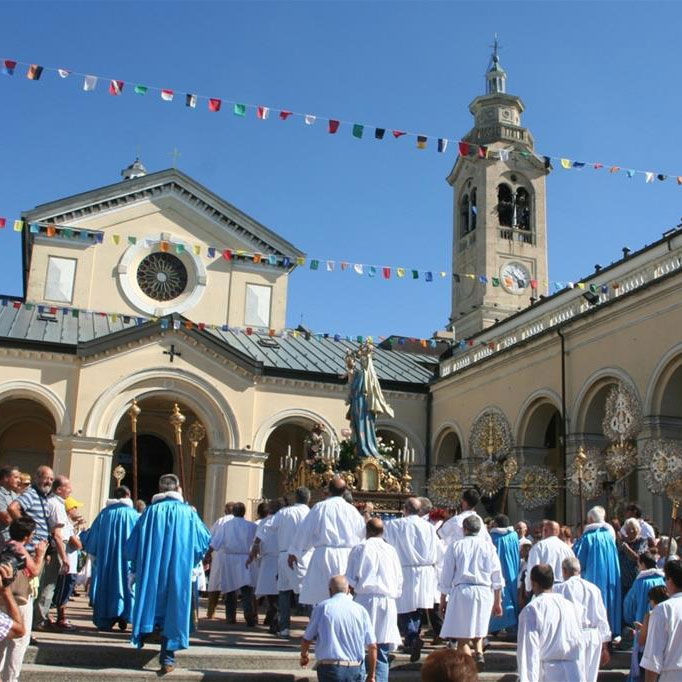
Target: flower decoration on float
x=491 y=436
x=446 y=485
x=662 y=462
x=538 y=487
x=592 y=474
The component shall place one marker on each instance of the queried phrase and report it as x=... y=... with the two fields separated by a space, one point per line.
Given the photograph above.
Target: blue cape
x=110 y=595
x=167 y=542
x=507 y=546
x=598 y=556
x=636 y=604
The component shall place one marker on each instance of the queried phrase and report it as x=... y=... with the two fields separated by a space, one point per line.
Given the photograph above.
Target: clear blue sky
x=600 y=82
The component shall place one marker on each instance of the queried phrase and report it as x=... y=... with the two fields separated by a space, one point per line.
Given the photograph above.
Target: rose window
x=162 y=276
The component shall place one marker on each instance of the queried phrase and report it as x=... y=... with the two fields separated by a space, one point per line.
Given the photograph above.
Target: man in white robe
x=551 y=550
x=662 y=659
x=287 y=522
x=234 y=538
x=419 y=550
x=452 y=529
x=376 y=578
x=333 y=527
x=550 y=639
x=595 y=622
x=432 y=615
x=472 y=579
x=217 y=560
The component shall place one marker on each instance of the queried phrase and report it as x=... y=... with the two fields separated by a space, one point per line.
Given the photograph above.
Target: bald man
x=375 y=575
x=342 y=629
x=551 y=550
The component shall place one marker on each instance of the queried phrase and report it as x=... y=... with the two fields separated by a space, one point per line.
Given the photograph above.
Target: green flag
x=314 y=264
x=496 y=281
x=140 y=89
x=415 y=274
x=357 y=130
x=239 y=109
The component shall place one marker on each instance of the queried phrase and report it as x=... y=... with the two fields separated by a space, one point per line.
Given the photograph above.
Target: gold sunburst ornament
x=662 y=462
x=491 y=436
x=592 y=474
x=538 y=487
x=446 y=485
x=488 y=476
x=622 y=415
x=620 y=459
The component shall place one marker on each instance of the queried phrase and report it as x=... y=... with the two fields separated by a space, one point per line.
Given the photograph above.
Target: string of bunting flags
x=320 y=264
x=116 y=87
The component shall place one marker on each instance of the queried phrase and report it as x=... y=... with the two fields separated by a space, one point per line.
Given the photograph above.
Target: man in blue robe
x=110 y=593
x=506 y=542
x=636 y=604
x=596 y=550
x=168 y=541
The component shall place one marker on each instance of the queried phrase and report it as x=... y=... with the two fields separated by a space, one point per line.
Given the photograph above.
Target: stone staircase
x=219 y=652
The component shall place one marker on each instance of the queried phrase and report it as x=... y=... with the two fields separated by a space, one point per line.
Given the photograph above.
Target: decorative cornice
x=100 y=446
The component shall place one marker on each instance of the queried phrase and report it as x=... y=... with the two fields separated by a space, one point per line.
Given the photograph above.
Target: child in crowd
x=656 y=595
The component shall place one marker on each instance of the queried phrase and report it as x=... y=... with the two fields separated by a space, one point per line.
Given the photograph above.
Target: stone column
x=87 y=462
x=232 y=475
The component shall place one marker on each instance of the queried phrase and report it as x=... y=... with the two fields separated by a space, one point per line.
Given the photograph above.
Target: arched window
x=505 y=205
x=474 y=211
x=464 y=216
x=522 y=209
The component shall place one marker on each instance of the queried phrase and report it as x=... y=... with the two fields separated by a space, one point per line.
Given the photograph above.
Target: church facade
x=113 y=316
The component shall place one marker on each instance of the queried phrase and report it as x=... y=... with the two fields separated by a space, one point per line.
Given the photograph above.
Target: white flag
x=504 y=155
x=63 y=73
x=262 y=112
x=90 y=83
x=309 y=119
x=358 y=268
x=649 y=177
x=176 y=324
x=330 y=265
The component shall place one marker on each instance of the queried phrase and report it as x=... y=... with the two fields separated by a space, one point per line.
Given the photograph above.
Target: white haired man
x=594 y=621
x=598 y=555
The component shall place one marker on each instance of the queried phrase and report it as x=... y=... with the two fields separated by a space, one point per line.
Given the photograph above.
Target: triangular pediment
x=178 y=196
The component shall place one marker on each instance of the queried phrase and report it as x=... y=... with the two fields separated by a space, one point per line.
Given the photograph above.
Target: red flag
x=257 y=257
x=470 y=342
x=3 y=222
x=482 y=152
x=597 y=166
x=533 y=284
x=398 y=133
x=333 y=126
x=386 y=272
x=464 y=149
x=164 y=246
x=284 y=115
x=116 y=87
x=227 y=254
x=214 y=104
x=16 y=305
x=249 y=331
x=263 y=112
x=201 y=325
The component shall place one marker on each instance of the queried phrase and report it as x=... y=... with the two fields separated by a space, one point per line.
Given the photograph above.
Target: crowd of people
x=369 y=585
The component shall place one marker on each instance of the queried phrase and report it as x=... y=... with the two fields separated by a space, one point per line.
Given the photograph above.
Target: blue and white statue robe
x=166 y=544
x=636 y=604
x=110 y=595
x=506 y=543
x=596 y=550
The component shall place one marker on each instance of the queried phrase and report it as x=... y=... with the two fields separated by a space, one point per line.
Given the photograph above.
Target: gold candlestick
x=177 y=419
x=134 y=413
x=580 y=461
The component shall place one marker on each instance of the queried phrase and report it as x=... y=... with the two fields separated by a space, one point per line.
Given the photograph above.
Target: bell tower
x=499 y=216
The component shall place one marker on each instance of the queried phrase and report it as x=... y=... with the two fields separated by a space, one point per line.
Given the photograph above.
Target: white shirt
x=471 y=561
x=214 y=528
x=374 y=568
x=453 y=528
x=549 y=639
x=646 y=531
x=235 y=536
x=588 y=596
x=663 y=650
x=286 y=523
x=550 y=551
x=58 y=518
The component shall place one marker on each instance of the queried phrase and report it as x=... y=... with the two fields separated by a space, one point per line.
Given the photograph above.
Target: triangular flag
x=89 y=83
x=227 y=254
x=358 y=130
x=597 y=166
x=333 y=125
x=284 y=115
x=496 y=281
x=415 y=274
x=386 y=272
x=421 y=141
x=442 y=144
x=463 y=149
x=300 y=260
x=504 y=154
x=358 y=268
x=197 y=249
x=263 y=112
x=167 y=95
x=257 y=257
x=630 y=173
x=578 y=164
x=211 y=252
x=3 y=222
x=191 y=100
x=398 y=133
x=309 y=119
x=314 y=264
x=18 y=225
x=179 y=248
x=614 y=169
x=649 y=177
x=140 y=89
x=8 y=66
x=400 y=272
x=132 y=240
x=163 y=246
x=372 y=271
x=379 y=133
x=662 y=177
x=482 y=152
x=566 y=163
x=116 y=238
x=428 y=276
x=679 y=179
x=239 y=110
x=214 y=104
x=63 y=73
x=116 y=87
x=344 y=265
x=547 y=161
x=34 y=72
x=330 y=265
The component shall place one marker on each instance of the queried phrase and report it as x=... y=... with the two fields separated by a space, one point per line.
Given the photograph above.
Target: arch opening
x=26 y=430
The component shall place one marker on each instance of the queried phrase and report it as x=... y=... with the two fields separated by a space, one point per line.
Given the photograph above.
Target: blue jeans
x=285 y=609
x=339 y=673
x=166 y=657
x=410 y=625
x=382 y=663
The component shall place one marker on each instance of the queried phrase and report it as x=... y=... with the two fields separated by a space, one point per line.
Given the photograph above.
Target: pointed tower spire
x=496 y=77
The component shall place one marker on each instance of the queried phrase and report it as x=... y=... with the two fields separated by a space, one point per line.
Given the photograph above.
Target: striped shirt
x=37 y=506
x=5 y=625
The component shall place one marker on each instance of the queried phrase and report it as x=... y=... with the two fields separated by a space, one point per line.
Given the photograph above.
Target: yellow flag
x=18 y=225
x=443 y=274
x=116 y=238
x=581 y=285
x=471 y=276
x=566 y=163
x=114 y=317
x=300 y=260
x=400 y=272
x=197 y=249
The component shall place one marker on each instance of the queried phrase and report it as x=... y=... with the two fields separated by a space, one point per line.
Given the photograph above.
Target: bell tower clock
x=499 y=225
